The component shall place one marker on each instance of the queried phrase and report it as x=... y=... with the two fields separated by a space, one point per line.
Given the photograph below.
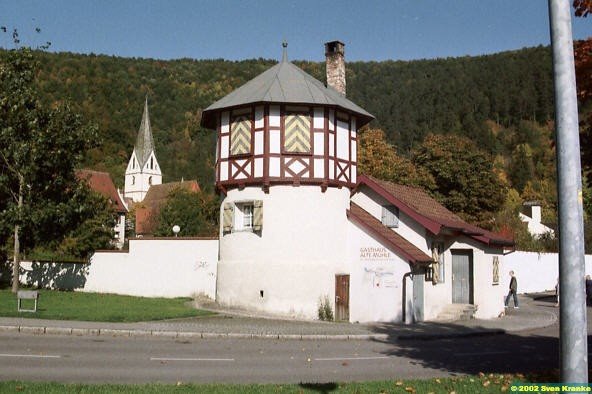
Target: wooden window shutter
x=435 y=264
x=227 y=217
x=495 y=270
x=257 y=215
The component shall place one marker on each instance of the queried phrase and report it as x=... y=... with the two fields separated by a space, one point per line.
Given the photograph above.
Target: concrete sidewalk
x=535 y=312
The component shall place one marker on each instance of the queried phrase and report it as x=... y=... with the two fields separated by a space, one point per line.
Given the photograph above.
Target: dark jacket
x=513 y=284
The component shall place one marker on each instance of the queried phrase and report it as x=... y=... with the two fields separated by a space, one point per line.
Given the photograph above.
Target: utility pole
x=573 y=326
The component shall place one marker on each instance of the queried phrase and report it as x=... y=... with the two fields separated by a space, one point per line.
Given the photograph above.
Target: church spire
x=144 y=142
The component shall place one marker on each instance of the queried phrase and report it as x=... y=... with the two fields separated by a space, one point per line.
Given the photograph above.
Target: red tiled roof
x=388 y=237
x=157 y=195
x=102 y=183
x=417 y=204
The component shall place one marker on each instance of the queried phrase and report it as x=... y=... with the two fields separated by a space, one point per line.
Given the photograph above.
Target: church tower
x=285 y=164
x=143 y=169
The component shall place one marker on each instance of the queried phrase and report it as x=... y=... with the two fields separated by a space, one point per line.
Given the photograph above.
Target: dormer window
x=240 y=133
x=390 y=216
x=297 y=130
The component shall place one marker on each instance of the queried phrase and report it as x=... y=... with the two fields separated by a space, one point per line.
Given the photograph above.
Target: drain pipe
x=404 y=298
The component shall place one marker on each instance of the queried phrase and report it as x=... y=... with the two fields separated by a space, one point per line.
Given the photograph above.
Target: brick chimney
x=335 y=63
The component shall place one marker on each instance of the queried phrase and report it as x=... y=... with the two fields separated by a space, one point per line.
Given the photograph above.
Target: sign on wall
x=372 y=253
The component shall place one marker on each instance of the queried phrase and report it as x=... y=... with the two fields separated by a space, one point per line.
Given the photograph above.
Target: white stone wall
x=152 y=268
x=535 y=272
x=295 y=258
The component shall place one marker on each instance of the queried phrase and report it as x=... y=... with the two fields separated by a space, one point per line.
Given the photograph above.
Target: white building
x=532 y=216
x=142 y=169
x=298 y=227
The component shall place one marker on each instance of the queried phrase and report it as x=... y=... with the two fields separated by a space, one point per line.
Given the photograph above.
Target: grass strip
x=71 y=305
x=481 y=383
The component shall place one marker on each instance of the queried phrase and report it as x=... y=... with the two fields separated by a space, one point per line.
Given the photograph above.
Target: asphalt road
x=140 y=360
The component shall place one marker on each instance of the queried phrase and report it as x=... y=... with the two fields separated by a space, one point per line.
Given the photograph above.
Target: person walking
x=513 y=291
x=588 y=290
x=557 y=292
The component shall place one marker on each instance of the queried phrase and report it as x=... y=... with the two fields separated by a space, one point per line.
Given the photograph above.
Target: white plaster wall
x=440 y=294
x=413 y=232
x=296 y=257
x=376 y=280
x=486 y=294
x=156 y=268
x=535 y=272
x=489 y=297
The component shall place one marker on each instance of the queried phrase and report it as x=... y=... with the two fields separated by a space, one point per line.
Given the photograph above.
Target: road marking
x=481 y=353
x=189 y=359
x=30 y=355
x=351 y=358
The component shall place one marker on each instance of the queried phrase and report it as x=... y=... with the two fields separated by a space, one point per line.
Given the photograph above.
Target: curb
x=38 y=330
x=423 y=337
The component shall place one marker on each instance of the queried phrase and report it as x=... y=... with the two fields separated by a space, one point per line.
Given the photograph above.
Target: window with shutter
x=390 y=216
x=228 y=217
x=495 y=270
x=257 y=215
x=438 y=262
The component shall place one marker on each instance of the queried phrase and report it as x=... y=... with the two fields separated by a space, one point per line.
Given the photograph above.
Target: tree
x=521 y=166
x=378 y=158
x=196 y=213
x=465 y=181
x=39 y=149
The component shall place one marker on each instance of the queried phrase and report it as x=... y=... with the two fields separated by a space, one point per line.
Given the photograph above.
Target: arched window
x=150 y=180
x=133 y=180
x=152 y=163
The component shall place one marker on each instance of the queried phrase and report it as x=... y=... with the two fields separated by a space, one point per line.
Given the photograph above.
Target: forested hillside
x=499 y=101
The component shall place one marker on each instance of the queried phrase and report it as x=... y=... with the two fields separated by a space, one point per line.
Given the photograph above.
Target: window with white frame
x=242 y=216
x=390 y=216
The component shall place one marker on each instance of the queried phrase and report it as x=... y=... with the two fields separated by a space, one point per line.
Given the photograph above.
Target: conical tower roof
x=144 y=142
x=284 y=83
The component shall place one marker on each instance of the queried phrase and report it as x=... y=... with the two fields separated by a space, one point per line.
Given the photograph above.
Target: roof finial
x=284 y=51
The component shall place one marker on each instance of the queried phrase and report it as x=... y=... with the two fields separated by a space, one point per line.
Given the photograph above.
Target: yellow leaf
x=399 y=383
x=438 y=381
x=486 y=383
x=410 y=389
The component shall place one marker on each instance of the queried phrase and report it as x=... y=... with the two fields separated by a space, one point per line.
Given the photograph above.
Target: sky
x=372 y=30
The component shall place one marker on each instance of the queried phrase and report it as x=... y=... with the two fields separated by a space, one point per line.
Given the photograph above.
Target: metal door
x=462 y=277
x=342 y=297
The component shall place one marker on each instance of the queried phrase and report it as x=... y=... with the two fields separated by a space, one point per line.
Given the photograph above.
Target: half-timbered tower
x=142 y=169
x=286 y=164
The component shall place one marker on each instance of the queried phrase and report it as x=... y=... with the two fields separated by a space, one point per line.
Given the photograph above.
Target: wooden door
x=342 y=297
x=462 y=277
